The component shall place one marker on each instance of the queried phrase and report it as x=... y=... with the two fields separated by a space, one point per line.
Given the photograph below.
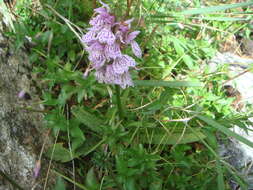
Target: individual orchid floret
x=105 y=42
x=113 y=51
x=135 y=46
x=125 y=26
x=36 y=169
x=89 y=37
x=98 y=59
x=136 y=49
x=131 y=36
x=21 y=94
x=105 y=36
x=104 y=5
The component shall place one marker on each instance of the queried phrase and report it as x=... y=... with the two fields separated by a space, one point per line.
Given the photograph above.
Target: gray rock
x=248 y=46
x=236 y=153
x=21 y=132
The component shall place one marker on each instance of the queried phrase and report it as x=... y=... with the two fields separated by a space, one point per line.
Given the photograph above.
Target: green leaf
x=49 y=100
x=130 y=184
x=226 y=19
x=72 y=55
x=60 y=185
x=56 y=120
x=173 y=138
x=70 y=180
x=171 y=84
x=76 y=143
x=75 y=130
x=91 y=180
x=66 y=92
x=207 y=10
x=188 y=61
x=225 y=130
x=80 y=95
x=220 y=179
x=90 y=120
x=60 y=153
x=179 y=49
x=89 y=147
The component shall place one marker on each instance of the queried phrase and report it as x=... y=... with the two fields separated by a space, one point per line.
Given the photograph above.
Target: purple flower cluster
x=105 y=41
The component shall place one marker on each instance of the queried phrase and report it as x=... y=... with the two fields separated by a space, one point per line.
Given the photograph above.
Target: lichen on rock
x=21 y=131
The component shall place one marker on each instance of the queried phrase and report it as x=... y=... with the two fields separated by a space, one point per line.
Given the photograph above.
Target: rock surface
x=21 y=136
x=236 y=153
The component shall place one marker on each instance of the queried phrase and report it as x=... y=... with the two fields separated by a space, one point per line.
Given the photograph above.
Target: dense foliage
x=165 y=136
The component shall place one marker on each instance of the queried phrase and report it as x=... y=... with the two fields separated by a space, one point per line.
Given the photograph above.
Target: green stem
x=119 y=105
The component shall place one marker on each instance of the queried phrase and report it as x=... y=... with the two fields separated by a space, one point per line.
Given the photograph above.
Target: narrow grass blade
x=171 y=84
x=207 y=10
x=174 y=138
x=60 y=185
x=239 y=179
x=220 y=179
x=225 y=19
x=225 y=164
x=225 y=130
x=70 y=180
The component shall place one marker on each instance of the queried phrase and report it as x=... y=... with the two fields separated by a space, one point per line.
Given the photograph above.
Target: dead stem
x=240 y=74
x=129 y=5
x=94 y=4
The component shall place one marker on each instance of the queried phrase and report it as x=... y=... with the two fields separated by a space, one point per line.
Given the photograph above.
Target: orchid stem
x=119 y=105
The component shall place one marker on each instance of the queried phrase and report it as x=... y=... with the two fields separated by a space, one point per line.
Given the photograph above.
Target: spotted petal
x=112 y=51
x=122 y=64
x=89 y=36
x=106 y=36
x=131 y=36
x=136 y=49
x=98 y=59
